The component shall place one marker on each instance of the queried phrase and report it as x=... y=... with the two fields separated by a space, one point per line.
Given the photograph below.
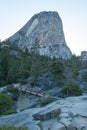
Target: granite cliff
x=43 y=34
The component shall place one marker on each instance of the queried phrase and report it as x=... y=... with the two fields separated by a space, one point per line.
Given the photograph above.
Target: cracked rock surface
x=72 y=115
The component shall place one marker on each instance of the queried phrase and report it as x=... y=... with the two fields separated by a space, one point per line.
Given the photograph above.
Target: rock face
x=47 y=114
x=84 y=55
x=63 y=114
x=43 y=34
x=47 y=81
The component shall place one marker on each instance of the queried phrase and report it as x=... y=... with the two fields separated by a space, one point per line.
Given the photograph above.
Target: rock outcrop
x=47 y=114
x=71 y=114
x=44 y=35
x=84 y=55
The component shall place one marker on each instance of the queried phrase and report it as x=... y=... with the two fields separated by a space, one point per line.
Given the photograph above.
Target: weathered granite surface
x=47 y=114
x=43 y=34
x=73 y=116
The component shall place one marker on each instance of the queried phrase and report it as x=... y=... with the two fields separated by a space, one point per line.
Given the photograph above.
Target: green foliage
x=72 y=90
x=22 y=81
x=72 y=68
x=47 y=100
x=17 y=68
x=85 y=76
x=75 y=74
x=74 y=63
x=4 y=66
x=57 y=67
x=14 y=91
x=6 y=104
x=14 y=69
x=39 y=65
x=12 y=128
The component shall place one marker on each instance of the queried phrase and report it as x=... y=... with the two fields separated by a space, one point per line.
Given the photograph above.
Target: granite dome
x=43 y=34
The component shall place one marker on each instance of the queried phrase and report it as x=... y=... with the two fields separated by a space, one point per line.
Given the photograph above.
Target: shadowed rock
x=49 y=113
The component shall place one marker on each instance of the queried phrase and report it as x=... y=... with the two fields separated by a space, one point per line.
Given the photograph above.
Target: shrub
x=14 y=91
x=76 y=73
x=6 y=104
x=22 y=81
x=47 y=100
x=85 y=76
x=58 y=68
x=72 y=90
x=12 y=128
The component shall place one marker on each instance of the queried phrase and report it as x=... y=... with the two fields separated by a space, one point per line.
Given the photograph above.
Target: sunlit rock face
x=43 y=34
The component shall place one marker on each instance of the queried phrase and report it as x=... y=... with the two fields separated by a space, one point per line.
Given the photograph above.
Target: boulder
x=47 y=114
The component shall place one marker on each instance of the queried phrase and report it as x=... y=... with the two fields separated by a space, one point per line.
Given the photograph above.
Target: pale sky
x=15 y=13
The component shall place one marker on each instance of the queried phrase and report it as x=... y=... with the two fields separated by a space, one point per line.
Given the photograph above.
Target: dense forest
x=17 y=66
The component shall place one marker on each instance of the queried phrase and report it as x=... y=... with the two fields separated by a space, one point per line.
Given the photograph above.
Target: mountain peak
x=43 y=34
